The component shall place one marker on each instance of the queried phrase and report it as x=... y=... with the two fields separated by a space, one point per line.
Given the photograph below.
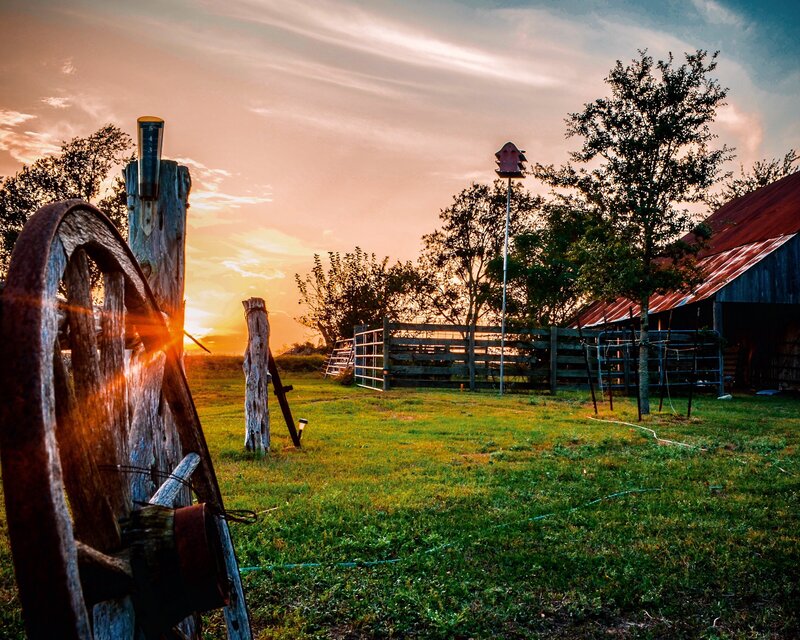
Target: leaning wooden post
x=256 y=363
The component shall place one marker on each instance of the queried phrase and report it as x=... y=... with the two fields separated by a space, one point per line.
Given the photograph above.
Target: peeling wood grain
x=256 y=374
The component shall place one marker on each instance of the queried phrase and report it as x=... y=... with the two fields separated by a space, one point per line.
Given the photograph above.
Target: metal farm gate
x=677 y=359
x=368 y=355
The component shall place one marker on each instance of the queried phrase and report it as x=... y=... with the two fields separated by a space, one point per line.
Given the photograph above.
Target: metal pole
x=505 y=281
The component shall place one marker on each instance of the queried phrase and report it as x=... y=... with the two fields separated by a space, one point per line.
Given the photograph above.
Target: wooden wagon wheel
x=63 y=427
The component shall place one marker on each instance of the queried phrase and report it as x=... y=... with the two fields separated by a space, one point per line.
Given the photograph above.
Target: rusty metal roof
x=719 y=269
x=744 y=232
x=769 y=212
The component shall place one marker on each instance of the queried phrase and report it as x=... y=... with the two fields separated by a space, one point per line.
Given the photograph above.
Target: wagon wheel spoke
x=94 y=401
x=103 y=577
x=112 y=358
x=93 y=518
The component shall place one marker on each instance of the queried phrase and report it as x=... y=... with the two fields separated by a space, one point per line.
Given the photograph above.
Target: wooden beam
x=280 y=392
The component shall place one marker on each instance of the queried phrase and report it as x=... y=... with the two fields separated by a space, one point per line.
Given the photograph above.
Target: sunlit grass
x=449 y=484
x=445 y=491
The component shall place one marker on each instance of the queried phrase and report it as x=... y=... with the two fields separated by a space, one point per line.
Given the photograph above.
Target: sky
x=321 y=125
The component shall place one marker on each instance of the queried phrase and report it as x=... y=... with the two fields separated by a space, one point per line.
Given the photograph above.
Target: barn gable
x=750 y=292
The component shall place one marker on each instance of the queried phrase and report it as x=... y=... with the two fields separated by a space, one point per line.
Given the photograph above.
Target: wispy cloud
x=261 y=244
x=353 y=28
x=202 y=172
x=56 y=102
x=209 y=200
x=252 y=268
x=68 y=68
x=716 y=13
x=24 y=146
x=13 y=118
x=346 y=78
x=375 y=132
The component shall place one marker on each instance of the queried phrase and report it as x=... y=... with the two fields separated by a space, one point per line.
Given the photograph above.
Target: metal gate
x=676 y=359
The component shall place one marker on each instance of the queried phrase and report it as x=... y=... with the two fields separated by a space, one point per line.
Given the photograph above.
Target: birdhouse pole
x=509 y=165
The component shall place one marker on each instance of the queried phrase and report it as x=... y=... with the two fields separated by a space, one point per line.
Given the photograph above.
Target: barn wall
x=764 y=342
x=774 y=280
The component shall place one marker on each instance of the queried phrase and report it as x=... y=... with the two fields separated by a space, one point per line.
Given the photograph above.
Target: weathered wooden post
x=157 y=205
x=256 y=363
x=157 y=230
x=553 y=360
x=158 y=194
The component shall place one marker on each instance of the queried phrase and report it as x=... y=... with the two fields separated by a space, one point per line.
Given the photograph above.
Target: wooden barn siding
x=774 y=280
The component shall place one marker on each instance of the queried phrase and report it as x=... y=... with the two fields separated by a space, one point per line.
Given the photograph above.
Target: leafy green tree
x=543 y=268
x=77 y=171
x=762 y=173
x=454 y=264
x=355 y=289
x=645 y=156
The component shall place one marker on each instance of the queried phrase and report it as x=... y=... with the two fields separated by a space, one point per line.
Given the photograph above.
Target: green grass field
x=438 y=514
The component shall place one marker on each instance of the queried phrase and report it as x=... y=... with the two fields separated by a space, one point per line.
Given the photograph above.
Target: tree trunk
x=644 y=357
x=256 y=364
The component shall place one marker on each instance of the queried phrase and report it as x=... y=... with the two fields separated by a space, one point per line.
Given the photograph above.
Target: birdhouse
x=151 y=134
x=510 y=161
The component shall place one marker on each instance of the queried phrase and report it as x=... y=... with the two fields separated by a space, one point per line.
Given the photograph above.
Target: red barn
x=751 y=288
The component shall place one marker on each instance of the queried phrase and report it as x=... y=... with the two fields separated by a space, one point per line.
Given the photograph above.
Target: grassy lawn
x=455 y=515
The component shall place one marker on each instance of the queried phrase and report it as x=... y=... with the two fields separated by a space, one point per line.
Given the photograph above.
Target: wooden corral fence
x=677 y=359
x=438 y=355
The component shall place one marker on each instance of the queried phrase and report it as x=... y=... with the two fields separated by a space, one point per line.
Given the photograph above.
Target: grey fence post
x=553 y=359
x=256 y=373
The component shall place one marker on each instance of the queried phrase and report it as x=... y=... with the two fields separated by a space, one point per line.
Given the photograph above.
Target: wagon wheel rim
x=52 y=248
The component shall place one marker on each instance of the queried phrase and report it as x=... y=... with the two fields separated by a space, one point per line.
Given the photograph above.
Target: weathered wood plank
x=280 y=393
x=237 y=621
x=159 y=243
x=171 y=488
x=256 y=375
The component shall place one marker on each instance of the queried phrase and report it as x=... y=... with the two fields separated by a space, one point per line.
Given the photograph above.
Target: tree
x=647 y=147
x=762 y=173
x=356 y=289
x=543 y=268
x=454 y=264
x=77 y=171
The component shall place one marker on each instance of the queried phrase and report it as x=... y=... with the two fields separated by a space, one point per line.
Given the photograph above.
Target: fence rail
x=441 y=355
x=447 y=355
x=368 y=353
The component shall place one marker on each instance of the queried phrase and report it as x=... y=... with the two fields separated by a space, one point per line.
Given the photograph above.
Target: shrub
x=294 y=363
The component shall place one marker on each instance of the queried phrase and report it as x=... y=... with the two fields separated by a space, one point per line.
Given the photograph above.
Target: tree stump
x=256 y=363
